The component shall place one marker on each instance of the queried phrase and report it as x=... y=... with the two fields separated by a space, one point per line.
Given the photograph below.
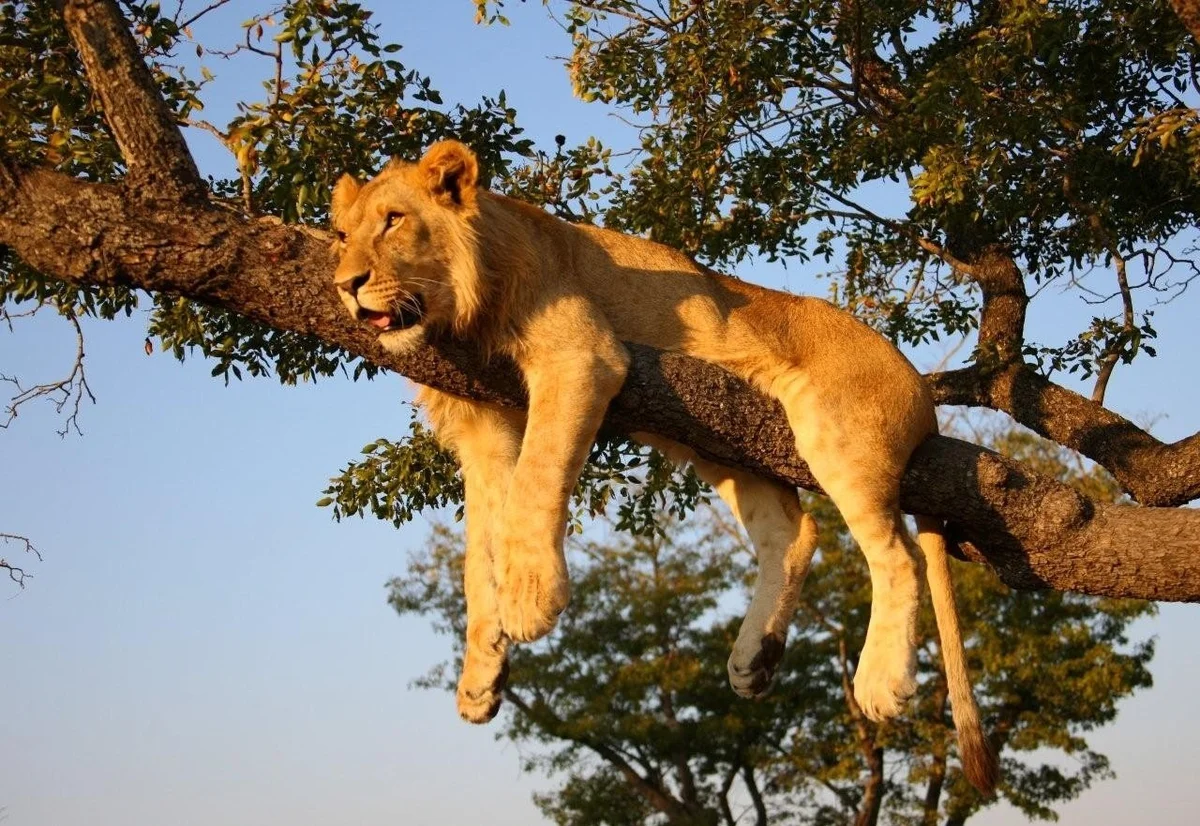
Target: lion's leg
x=569 y=391
x=861 y=477
x=887 y=669
x=486 y=441
x=886 y=674
x=784 y=540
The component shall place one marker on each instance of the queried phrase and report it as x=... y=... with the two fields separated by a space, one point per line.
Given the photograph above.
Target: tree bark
x=150 y=142
x=1034 y=531
x=1150 y=471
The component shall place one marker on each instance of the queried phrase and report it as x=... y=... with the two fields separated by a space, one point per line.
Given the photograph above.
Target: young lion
x=422 y=247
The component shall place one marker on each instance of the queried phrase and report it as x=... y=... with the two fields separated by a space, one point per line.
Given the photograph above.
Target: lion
x=423 y=248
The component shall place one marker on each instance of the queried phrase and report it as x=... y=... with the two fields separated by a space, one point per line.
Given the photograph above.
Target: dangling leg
x=487 y=441
x=784 y=540
x=573 y=365
x=887 y=668
x=865 y=496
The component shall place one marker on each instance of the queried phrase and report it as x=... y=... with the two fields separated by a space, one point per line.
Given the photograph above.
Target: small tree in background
x=628 y=701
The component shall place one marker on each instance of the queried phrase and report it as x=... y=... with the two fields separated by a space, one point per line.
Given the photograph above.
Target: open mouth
x=408 y=314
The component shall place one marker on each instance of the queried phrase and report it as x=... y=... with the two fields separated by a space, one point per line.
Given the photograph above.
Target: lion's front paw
x=480 y=691
x=532 y=590
x=752 y=668
x=886 y=677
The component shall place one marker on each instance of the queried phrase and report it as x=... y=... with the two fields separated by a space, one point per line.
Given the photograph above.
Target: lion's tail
x=978 y=758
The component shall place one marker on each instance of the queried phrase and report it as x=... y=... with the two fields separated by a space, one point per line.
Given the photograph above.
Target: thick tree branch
x=1034 y=531
x=1152 y=472
x=152 y=145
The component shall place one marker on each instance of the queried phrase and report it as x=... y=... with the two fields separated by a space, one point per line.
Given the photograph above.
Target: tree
x=100 y=202
x=628 y=705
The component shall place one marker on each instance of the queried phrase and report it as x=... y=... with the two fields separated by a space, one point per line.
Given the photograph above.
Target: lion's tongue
x=380 y=320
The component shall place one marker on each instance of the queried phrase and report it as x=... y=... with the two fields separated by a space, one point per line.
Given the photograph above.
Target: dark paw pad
x=755 y=679
x=482 y=705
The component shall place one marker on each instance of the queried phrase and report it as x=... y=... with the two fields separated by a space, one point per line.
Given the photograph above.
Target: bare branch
x=1114 y=350
x=201 y=13
x=67 y=393
x=16 y=573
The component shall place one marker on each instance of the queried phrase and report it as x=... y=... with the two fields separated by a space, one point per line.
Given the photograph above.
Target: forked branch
x=15 y=572
x=67 y=394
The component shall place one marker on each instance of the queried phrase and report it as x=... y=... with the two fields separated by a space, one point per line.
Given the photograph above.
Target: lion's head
x=407 y=247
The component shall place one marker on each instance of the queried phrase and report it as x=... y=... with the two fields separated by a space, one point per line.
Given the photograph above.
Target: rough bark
x=1152 y=472
x=145 y=130
x=1034 y=531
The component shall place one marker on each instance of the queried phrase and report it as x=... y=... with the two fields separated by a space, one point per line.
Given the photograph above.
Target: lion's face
x=407 y=257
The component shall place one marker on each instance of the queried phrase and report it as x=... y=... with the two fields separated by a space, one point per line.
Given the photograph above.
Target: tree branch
x=653 y=792
x=1152 y=472
x=867 y=812
x=145 y=130
x=723 y=794
x=15 y=572
x=760 y=807
x=1035 y=531
x=72 y=390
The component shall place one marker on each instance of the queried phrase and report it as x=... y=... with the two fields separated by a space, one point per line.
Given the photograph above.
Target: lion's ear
x=451 y=172
x=345 y=193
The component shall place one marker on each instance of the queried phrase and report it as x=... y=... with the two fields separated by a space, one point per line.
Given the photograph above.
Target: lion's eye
x=394 y=219
x=341 y=236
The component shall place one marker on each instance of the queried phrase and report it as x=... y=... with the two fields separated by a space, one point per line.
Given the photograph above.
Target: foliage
x=1061 y=132
x=633 y=679
x=334 y=90
x=398 y=480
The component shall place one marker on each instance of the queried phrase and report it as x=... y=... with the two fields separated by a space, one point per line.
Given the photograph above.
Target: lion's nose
x=354 y=283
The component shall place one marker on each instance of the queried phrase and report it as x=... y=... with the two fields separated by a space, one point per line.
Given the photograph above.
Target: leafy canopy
x=627 y=701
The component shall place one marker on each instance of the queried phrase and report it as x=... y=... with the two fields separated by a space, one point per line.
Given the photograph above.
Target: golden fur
x=422 y=247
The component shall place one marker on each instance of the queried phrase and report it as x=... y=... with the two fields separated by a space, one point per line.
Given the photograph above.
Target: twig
x=71 y=390
x=1114 y=350
x=201 y=13
x=16 y=573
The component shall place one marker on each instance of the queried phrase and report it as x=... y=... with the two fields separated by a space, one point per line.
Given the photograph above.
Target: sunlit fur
x=560 y=299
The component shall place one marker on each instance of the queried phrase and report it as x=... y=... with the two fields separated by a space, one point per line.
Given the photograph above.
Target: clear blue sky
x=203 y=646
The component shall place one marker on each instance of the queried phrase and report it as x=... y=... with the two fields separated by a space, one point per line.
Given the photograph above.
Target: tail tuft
x=979 y=761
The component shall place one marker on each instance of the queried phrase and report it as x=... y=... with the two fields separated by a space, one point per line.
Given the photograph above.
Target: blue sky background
x=201 y=645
